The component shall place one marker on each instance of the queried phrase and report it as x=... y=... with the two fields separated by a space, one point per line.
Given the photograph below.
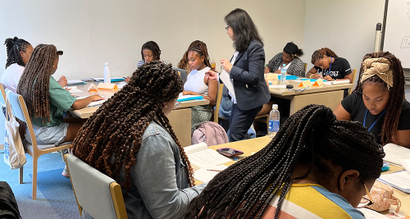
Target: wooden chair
x=99 y=195
x=19 y=109
x=354 y=79
x=2 y=117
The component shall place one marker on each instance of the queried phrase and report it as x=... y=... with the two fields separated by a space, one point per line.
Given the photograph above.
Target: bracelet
x=310 y=76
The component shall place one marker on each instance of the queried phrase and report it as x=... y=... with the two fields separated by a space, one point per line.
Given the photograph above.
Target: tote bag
x=14 y=154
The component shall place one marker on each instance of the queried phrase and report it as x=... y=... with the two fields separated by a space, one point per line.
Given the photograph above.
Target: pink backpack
x=211 y=133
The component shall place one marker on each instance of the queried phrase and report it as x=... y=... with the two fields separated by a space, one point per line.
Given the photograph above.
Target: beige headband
x=379 y=67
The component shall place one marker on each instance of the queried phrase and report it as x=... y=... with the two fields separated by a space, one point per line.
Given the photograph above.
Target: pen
x=213 y=170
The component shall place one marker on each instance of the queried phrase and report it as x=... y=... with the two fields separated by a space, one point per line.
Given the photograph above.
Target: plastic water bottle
x=274 y=120
x=283 y=73
x=107 y=76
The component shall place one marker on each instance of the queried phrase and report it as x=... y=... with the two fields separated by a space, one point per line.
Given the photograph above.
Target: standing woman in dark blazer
x=246 y=70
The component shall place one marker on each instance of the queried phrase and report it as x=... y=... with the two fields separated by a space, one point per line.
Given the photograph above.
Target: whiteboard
x=397 y=32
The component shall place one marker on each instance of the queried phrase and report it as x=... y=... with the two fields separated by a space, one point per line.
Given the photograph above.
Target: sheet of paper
x=206 y=174
x=195 y=148
x=206 y=158
x=405 y=163
x=96 y=103
x=394 y=152
x=73 y=89
x=399 y=180
x=227 y=82
x=370 y=214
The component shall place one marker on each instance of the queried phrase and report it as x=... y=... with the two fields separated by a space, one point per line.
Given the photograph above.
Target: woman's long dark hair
x=244 y=30
x=396 y=94
x=112 y=136
x=153 y=46
x=311 y=136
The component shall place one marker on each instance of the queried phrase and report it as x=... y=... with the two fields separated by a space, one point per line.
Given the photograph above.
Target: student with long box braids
x=130 y=139
x=315 y=167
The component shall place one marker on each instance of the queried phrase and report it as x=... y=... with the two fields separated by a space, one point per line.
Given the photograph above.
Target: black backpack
x=8 y=204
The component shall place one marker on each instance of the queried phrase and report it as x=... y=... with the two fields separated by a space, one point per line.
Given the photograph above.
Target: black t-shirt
x=339 y=69
x=354 y=105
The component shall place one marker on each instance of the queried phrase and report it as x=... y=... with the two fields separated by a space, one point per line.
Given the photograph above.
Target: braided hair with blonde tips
x=202 y=50
x=318 y=54
x=396 y=93
x=183 y=63
x=311 y=136
x=111 y=138
x=35 y=80
x=13 y=48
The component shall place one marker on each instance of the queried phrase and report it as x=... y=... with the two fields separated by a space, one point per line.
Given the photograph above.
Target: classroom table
x=328 y=95
x=180 y=118
x=256 y=144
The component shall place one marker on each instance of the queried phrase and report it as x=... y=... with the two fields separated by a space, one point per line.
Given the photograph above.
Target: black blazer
x=247 y=73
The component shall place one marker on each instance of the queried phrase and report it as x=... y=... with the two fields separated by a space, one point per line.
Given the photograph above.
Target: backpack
x=211 y=133
x=8 y=203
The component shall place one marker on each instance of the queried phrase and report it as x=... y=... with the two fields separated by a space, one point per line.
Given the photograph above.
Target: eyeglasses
x=366 y=201
x=227 y=27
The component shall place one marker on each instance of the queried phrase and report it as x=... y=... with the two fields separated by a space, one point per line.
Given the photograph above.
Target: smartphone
x=229 y=152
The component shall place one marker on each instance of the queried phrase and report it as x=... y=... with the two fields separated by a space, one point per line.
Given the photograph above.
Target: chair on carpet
x=99 y=195
x=19 y=110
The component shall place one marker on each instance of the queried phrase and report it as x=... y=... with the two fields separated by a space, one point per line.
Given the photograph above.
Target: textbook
x=189 y=97
x=201 y=156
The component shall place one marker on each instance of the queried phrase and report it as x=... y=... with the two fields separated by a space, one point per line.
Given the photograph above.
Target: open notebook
x=201 y=156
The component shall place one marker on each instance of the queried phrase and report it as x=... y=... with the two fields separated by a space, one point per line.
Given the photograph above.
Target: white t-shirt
x=195 y=81
x=11 y=76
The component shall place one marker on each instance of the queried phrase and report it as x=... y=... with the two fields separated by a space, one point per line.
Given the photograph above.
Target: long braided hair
x=35 y=80
x=311 y=136
x=318 y=54
x=396 y=93
x=13 y=48
x=153 y=46
x=112 y=136
x=202 y=50
x=183 y=63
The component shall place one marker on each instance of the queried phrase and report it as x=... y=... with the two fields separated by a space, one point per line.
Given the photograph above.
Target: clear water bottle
x=107 y=76
x=283 y=73
x=274 y=121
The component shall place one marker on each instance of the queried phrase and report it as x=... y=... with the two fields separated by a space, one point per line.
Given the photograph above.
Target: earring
x=166 y=107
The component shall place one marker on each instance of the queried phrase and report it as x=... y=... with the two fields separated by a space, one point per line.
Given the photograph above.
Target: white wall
x=96 y=31
x=346 y=26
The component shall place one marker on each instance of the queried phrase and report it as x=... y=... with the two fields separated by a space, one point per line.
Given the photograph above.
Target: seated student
x=330 y=66
x=198 y=84
x=18 y=53
x=378 y=100
x=289 y=57
x=130 y=139
x=183 y=63
x=150 y=52
x=47 y=101
x=315 y=167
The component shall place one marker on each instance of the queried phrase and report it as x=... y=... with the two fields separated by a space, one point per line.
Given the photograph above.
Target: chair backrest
x=18 y=107
x=182 y=73
x=218 y=102
x=353 y=79
x=99 y=195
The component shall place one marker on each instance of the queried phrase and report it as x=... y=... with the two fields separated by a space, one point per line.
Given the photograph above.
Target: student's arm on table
x=341 y=113
x=349 y=76
x=402 y=137
x=79 y=104
x=312 y=73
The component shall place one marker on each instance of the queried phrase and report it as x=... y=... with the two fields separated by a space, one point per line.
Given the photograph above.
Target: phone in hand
x=229 y=152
